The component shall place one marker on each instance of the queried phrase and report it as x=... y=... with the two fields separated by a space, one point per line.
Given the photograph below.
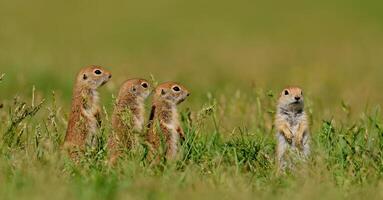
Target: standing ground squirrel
x=85 y=114
x=164 y=116
x=291 y=124
x=128 y=116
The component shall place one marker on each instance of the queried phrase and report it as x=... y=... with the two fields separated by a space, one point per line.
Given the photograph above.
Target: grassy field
x=235 y=57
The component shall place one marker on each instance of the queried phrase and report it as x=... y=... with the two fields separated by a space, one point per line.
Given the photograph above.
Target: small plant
x=1 y=79
x=20 y=112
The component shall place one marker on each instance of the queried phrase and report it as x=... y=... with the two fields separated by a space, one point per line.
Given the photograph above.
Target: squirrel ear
x=163 y=92
x=84 y=76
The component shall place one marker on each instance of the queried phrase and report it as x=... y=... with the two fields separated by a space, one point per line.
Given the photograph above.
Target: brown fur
x=128 y=116
x=164 y=116
x=85 y=113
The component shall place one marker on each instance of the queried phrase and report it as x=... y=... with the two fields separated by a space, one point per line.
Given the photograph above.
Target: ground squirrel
x=128 y=116
x=164 y=124
x=85 y=114
x=291 y=124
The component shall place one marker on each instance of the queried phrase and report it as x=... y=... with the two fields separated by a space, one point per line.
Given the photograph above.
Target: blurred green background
x=333 y=49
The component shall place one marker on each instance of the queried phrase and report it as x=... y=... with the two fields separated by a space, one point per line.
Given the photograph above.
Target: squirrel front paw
x=298 y=142
x=289 y=138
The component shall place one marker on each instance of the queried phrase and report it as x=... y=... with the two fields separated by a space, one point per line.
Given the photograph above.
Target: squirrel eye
x=286 y=92
x=176 y=88
x=144 y=85
x=97 y=71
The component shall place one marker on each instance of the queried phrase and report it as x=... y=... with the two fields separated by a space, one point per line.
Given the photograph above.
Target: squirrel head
x=171 y=92
x=291 y=98
x=136 y=87
x=93 y=76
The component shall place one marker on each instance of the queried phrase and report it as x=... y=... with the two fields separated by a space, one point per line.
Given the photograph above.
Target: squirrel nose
x=110 y=75
x=188 y=94
x=297 y=98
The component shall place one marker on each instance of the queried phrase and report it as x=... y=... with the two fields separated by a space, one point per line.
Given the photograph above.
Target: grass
x=346 y=161
x=234 y=58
